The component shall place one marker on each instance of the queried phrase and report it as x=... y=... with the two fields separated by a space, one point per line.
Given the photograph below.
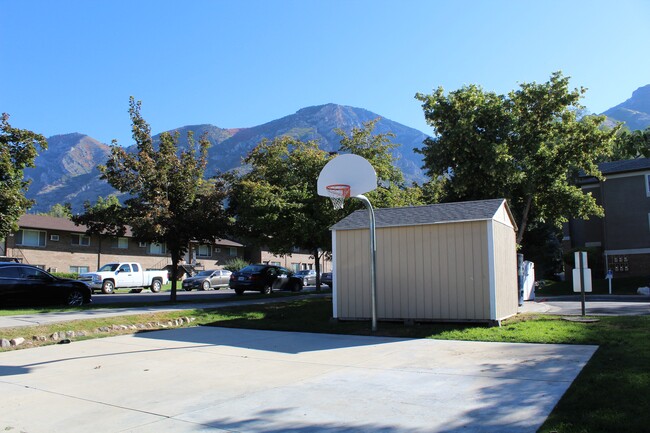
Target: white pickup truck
x=113 y=276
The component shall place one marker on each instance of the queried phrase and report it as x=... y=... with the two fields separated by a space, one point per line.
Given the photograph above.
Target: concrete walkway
x=65 y=316
x=595 y=305
x=206 y=379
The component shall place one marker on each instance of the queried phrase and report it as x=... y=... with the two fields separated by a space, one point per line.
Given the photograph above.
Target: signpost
x=581 y=276
x=609 y=277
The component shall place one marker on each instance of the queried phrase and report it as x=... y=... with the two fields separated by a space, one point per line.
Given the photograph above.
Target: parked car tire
x=205 y=285
x=108 y=287
x=156 y=285
x=267 y=290
x=239 y=292
x=75 y=298
x=296 y=286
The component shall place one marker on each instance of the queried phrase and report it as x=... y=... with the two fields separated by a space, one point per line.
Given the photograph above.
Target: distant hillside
x=67 y=172
x=318 y=123
x=635 y=112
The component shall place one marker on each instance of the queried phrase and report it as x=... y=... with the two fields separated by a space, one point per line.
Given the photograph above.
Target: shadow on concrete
x=270 y=341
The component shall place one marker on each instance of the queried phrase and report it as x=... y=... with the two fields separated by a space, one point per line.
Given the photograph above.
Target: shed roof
x=479 y=210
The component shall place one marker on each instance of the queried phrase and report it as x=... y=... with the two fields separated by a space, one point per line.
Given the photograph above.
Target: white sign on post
x=585 y=270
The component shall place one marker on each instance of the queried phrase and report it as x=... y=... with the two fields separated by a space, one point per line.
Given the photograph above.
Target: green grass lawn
x=612 y=393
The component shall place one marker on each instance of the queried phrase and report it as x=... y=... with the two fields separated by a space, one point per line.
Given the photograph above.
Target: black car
x=26 y=284
x=264 y=279
x=326 y=278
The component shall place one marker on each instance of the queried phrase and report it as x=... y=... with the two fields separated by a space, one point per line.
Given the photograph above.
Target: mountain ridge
x=67 y=171
x=635 y=111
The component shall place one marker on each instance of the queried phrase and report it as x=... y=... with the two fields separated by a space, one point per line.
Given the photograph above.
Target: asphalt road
x=122 y=296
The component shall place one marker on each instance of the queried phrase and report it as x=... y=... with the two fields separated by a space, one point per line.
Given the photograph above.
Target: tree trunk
x=175 y=260
x=317 y=267
x=524 y=219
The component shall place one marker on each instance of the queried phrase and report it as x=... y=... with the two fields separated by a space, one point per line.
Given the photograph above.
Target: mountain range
x=635 y=112
x=67 y=171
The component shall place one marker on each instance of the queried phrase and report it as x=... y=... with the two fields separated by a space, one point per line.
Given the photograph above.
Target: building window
x=647 y=185
x=295 y=267
x=30 y=238
x=217 y=250
x=233 y=251
x=204 y=251
x=122 y=243
x=54 y=238
x=142 y=244
x=83 y=240
x=79 y=269
x=157 y=248
x=275 y=263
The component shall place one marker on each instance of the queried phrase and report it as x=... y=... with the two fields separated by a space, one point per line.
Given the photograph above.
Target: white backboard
x=348 y=169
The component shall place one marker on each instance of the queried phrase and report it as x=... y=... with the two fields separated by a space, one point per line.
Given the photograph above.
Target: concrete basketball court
x=234 y=380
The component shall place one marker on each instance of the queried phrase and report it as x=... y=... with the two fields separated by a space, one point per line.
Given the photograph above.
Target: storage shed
x=442 y=262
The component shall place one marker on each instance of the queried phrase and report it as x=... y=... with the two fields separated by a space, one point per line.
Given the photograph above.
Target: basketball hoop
x=338 y=193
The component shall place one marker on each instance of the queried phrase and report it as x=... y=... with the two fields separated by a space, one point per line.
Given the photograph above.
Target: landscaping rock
x=5 y=343
x=17 y=341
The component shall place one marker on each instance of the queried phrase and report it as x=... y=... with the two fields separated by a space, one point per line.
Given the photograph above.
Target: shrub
x=71 y=275
x=235 y=264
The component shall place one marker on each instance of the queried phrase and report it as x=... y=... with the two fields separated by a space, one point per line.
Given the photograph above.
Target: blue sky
x=71 y=65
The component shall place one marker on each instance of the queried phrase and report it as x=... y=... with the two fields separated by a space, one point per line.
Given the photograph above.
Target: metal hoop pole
x=373 y=259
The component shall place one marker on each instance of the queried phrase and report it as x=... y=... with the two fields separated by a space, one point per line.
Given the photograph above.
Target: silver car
x=207 y=280
x=308 y=277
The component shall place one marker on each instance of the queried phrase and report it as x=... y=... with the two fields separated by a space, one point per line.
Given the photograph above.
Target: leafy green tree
x=377 y=149
x=59 y=210
x=526 y=147
x=18 y=150
x=632 y=144
x=170 y=202
x=276 y=205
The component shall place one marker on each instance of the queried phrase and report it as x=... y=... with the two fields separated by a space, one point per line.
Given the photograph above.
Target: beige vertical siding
x=505 y=265
x=428 y=272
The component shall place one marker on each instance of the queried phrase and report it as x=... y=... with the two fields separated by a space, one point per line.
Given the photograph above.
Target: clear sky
x=71 y=65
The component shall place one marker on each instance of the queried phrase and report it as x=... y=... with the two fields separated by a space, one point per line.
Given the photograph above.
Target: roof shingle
x=419 y=215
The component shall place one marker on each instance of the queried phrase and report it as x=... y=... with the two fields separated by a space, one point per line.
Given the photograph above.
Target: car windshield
x=204 y=273
x=253 y=268
x=302 y=273
x=109 y=267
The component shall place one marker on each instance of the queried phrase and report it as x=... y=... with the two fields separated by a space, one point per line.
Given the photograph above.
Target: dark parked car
x=26 y=284
x=264 y=279
x=206 y=280
x=308 y=277
x=326 y=278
